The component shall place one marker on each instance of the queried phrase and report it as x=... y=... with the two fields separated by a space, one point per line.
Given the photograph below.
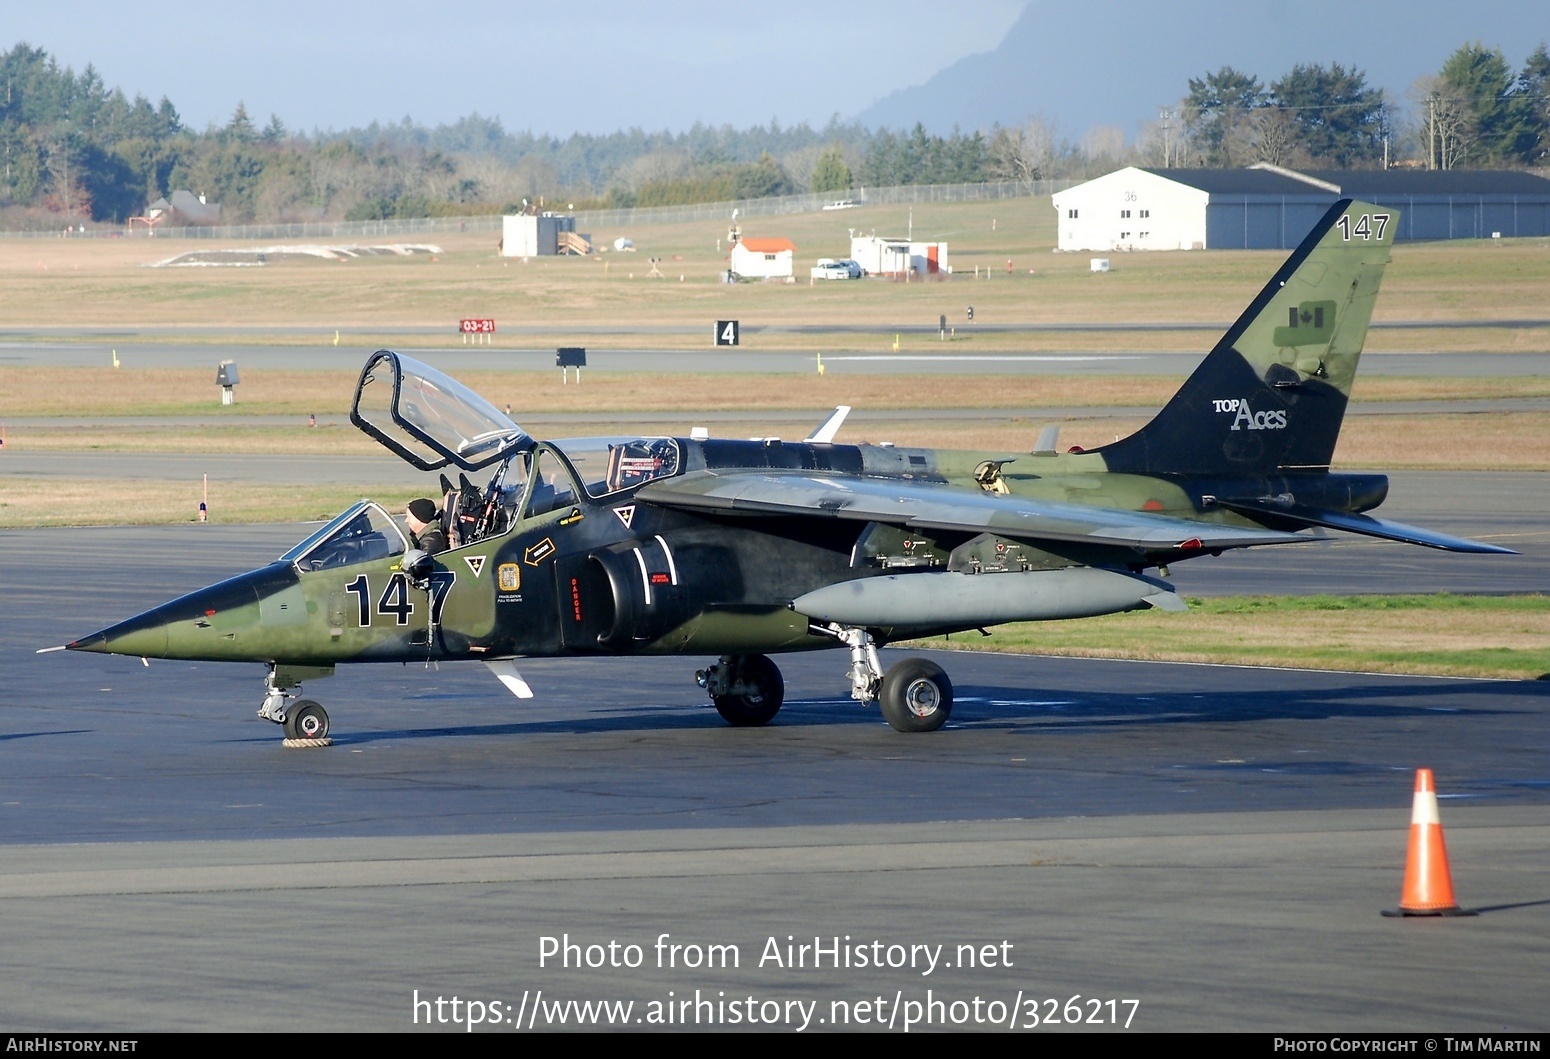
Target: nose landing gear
x=304 y=721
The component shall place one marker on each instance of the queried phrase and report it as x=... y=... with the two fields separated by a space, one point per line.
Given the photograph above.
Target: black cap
x=423 y=509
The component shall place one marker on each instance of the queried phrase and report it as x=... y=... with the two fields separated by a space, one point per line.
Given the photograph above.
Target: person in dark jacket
x=425 y=532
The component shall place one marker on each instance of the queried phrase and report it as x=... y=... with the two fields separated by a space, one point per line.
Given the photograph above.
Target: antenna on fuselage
x=830 y=427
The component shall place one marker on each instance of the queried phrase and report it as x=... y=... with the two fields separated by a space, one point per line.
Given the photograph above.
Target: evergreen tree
x=1535 y=82
x=1503 y=111
x=1340 y=121
x=240 y=128
x=1215 y=104
x=275 y=131
x=832 y=173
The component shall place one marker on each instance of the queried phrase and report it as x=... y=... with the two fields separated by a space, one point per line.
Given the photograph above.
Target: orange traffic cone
x=1428 y=884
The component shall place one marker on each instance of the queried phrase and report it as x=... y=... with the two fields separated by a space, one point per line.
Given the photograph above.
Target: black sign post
x=567 y=357
x=727 y=332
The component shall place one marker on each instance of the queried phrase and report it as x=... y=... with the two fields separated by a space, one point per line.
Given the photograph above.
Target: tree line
x=76 y=150
x=1475 y=111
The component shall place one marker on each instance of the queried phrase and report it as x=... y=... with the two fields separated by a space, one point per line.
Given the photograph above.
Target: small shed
x=882 y=256
x=541 y=235
x=764 y=258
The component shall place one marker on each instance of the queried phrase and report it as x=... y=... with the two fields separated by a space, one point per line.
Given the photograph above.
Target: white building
x=881 y=256
x=764 y=258
x=1190 y=209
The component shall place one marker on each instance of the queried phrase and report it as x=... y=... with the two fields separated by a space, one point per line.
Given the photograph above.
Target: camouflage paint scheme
x=740 y=548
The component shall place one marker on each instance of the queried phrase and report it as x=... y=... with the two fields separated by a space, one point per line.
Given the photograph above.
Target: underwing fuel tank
x=951 y=598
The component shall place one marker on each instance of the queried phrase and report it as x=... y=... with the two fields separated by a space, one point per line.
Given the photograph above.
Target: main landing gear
x=747 y=689
x=914 y=696
x=304 y=721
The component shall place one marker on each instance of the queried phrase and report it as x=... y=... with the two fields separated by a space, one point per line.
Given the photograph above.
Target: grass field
x=57 y=288
x=106 y=283
x=1443 y=635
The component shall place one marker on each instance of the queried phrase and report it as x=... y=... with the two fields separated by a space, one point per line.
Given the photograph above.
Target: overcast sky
x=610 y=64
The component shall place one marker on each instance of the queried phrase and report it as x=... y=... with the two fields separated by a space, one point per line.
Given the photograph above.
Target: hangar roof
x=1365 y=182
x=1361 y=183
x=1239 y=181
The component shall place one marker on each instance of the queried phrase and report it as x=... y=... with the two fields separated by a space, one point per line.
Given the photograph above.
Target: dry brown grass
x=1517 y=441
x=29 y=501
x=44 y=391
x=104 y=282
x=1442 y=635
x=40 y=391
x=1494 y=441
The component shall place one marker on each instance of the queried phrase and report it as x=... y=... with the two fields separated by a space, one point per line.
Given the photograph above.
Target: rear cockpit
x=432 y=421
x=613 y=465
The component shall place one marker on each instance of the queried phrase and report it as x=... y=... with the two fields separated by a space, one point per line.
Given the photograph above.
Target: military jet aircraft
x=740 y=549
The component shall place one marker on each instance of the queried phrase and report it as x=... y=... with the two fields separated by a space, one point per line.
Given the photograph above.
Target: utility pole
x=1431 y=132
x=1165 y=120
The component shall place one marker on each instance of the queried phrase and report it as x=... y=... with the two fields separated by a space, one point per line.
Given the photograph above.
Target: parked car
x=827 y=268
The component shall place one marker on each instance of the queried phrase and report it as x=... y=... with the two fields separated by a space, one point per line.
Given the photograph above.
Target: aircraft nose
x=173 y=630
x=144 y=635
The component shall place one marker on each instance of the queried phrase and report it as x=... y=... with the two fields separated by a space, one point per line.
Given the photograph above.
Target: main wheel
x=306 y=720
x=916 y=696
x=761 y=696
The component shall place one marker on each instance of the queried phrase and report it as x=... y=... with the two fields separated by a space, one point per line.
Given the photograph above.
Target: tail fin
x=1270 y=396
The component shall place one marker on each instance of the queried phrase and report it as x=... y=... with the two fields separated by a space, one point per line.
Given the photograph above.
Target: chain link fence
x=400 y=229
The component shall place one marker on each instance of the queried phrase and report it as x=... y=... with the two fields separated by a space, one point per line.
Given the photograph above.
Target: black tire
x=916 y=696
x=764 y=692
x=306 y=720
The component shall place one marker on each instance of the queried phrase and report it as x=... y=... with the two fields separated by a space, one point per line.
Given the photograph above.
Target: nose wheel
x=306 y=720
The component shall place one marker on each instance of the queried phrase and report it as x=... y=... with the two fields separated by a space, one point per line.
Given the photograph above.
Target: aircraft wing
x=932 y=506
x=1363 y=524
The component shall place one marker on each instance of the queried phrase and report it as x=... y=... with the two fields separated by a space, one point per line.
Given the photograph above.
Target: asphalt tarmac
x=1213 y=843
x=1138 y=845
x=763 y=356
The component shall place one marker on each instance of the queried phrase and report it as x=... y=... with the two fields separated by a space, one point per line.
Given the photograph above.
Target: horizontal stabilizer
x=1363 y=524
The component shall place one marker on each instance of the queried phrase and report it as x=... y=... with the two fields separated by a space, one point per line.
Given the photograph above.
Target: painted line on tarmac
x=1216 y=665
x=994 y=359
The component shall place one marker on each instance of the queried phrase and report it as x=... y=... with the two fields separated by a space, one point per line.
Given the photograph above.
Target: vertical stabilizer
x=1270 y=396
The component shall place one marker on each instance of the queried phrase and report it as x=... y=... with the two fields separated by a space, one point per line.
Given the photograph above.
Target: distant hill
x=1108 y=63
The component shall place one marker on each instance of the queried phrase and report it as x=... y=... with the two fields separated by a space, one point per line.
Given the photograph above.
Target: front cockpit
x=362 y=533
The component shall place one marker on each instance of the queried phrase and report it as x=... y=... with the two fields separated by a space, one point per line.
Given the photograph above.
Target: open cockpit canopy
x=430 y=419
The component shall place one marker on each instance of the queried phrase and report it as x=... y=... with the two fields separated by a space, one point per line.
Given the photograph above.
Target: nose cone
x=144 y=635
x=191 y=626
